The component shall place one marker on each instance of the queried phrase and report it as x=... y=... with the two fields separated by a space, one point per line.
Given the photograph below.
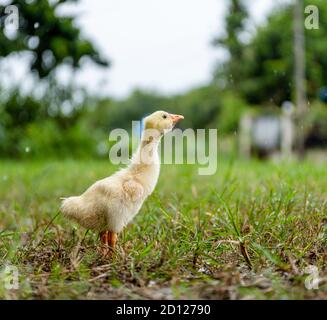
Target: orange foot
x=108 y=239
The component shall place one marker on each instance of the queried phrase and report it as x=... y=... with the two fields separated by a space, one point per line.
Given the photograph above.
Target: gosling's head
x=162 y=121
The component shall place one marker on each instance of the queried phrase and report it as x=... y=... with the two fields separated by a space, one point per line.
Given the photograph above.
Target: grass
x=247 y=232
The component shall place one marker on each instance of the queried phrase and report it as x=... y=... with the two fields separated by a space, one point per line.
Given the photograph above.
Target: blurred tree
x=15 y=114
x=41 y=125
x=53 y=39
x=199 y=106
x=231 y=112
x=231 y=41
x=267 y=65
x=265 y=71
x=111 y=113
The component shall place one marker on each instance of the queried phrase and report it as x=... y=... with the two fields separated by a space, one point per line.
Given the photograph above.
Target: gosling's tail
x=71 y=207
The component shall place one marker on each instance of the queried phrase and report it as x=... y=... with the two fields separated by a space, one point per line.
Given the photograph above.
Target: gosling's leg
x=108 y=239
x=104 y=240
x=112 y=239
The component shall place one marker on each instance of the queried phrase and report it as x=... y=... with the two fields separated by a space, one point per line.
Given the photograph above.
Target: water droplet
x=27 y=149
x=36 y=25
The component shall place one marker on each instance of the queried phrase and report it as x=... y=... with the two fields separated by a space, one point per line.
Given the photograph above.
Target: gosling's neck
x=147 y=152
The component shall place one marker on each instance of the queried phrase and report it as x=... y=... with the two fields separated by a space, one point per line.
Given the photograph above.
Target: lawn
x=247 y=232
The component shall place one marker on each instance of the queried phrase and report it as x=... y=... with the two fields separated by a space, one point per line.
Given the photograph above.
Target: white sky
x=162 y=45
x=156 y=44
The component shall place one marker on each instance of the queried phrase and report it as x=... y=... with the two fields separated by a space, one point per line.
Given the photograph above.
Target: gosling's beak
x=175 y=117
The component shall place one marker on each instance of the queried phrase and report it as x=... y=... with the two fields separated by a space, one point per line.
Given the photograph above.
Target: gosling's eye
x=164 y=116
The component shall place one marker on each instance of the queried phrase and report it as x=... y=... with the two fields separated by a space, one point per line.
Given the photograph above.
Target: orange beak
x=175 y=117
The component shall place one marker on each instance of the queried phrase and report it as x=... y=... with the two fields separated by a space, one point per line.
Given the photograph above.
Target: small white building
x=266 y=133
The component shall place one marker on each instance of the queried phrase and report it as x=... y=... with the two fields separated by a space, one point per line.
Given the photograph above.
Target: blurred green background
x=67 y=121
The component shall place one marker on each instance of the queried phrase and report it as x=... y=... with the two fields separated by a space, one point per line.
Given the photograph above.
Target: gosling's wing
x=133 y=190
